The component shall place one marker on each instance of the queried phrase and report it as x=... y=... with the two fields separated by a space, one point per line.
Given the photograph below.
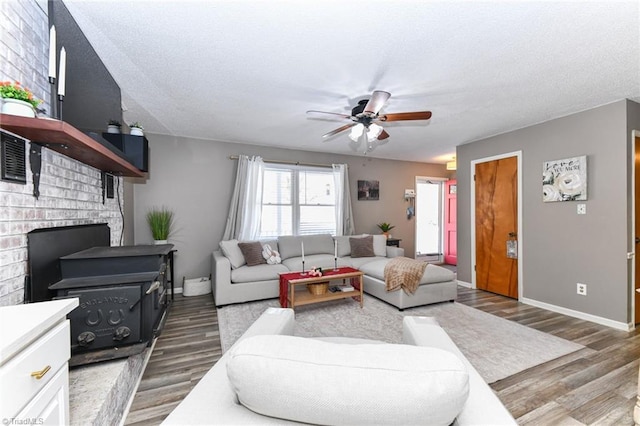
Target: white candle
x=302 y=246
x=63 y=71
x=52 y=51
x=335 y=252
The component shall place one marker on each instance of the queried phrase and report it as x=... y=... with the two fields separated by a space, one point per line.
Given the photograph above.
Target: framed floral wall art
x=565 y=180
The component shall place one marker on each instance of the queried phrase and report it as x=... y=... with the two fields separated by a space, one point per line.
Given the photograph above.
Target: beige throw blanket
x=405 y=273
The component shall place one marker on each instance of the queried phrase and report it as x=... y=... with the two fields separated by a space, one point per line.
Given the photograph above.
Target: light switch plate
x=582 y=209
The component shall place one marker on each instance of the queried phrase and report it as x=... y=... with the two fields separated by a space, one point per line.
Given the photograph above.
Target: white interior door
x=429 y=219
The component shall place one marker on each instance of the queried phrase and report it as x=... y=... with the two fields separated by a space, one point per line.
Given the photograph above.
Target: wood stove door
x=106 y=317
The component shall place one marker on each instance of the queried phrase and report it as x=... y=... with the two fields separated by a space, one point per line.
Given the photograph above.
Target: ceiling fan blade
x=377 y=101
x=339 y=129
x=399 y=116
x=383 y=135
x=323 y=113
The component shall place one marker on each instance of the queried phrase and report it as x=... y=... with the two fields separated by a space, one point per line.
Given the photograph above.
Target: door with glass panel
x=429 y=219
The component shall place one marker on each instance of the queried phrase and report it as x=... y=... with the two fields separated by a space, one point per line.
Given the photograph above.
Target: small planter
x=159 y=242
x=136 y=131
x=160 y=221
x=111 y=128
x=17 y=107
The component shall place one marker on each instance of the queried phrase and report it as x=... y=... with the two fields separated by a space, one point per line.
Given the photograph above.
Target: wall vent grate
x=14 y=158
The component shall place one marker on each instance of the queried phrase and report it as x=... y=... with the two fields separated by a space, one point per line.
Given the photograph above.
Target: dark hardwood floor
x=596 y=385
x=187 y=348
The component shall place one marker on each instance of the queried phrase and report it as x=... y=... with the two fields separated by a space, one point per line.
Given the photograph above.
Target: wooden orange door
x=496 y=211
x=450 y=233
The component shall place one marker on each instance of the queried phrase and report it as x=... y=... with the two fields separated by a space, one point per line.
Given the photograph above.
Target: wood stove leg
x=172 y=274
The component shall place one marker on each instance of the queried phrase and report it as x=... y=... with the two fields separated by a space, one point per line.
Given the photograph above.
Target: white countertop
x=20 y=325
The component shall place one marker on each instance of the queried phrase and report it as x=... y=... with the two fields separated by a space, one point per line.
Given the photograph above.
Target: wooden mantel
x=67 y=140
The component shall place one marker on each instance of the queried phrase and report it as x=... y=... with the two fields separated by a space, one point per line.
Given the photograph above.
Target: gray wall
x=561 y=248
x=195 y=178
x=633 y=124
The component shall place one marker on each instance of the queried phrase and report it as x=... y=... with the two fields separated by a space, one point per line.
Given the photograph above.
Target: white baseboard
x=577 y=314
x=464 y=284
x=176 y=290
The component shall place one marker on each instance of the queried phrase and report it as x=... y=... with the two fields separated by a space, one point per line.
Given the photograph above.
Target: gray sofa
x=235 y=282
x=214 y=401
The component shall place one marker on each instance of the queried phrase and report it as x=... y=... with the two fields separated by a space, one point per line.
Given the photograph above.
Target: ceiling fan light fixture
x=356 y=132
x=362 y=120
x=373 y=132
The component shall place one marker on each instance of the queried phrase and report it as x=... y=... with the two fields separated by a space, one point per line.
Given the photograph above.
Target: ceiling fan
x=366 y=115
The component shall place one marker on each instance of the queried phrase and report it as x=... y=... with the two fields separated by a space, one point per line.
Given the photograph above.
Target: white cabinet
x=34 y=355
x=51 y=404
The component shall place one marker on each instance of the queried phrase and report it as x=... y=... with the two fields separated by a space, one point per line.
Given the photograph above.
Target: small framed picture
x=368 y=190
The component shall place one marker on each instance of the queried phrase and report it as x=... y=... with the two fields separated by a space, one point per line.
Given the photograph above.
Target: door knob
x=637 y=240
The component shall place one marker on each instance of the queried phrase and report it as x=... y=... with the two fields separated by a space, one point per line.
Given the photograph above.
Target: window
x=297 y=200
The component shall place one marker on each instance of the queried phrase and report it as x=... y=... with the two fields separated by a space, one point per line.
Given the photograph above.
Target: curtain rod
x=295 y=163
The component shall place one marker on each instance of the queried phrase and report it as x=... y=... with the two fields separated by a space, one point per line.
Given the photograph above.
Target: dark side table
x=395 y=242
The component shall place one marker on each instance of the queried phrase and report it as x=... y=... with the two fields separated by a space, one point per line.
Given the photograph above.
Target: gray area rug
x=496 y=347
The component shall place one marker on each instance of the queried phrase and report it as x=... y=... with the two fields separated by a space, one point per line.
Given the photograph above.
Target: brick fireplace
x=70 y=194
x=70 y=191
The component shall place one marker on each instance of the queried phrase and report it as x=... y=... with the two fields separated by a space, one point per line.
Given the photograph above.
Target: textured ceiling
x=247 y=71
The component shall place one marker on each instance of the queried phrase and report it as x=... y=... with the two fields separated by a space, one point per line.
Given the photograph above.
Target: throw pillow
x=318 y=244
x=304 y=380
x=270 y=255
x=380 y=245
x=362 y=247
x=344 y=248
x=232 y=252
x=289 y=246
x=252 y=252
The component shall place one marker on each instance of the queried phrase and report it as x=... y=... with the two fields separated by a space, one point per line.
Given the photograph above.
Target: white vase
x=111 y=128
x=136 y=131
x=159 y=242
x=18 y=107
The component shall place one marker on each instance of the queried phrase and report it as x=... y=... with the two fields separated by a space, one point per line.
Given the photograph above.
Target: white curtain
x=343 y=211
x=243 y=220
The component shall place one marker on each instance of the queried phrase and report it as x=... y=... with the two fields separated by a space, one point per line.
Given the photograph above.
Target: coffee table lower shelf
x=303 y=297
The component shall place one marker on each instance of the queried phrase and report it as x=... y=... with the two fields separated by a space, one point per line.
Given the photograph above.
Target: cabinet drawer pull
x=40 y=374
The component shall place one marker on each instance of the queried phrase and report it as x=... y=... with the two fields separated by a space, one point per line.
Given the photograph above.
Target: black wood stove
x=122 y=292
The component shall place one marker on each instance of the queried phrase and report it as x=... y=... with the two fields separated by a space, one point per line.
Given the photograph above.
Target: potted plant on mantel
x=385 y=228
x=160 y=221
x=113 y=126
x=136 y=129
x=18 y=100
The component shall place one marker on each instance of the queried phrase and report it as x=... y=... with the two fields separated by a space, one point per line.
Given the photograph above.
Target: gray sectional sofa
x=233 y=281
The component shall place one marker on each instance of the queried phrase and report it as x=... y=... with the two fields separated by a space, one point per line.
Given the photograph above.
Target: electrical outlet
x=581 y=289
x=582 y=209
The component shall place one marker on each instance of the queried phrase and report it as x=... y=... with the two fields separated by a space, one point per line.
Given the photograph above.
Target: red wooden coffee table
x=293 y=287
